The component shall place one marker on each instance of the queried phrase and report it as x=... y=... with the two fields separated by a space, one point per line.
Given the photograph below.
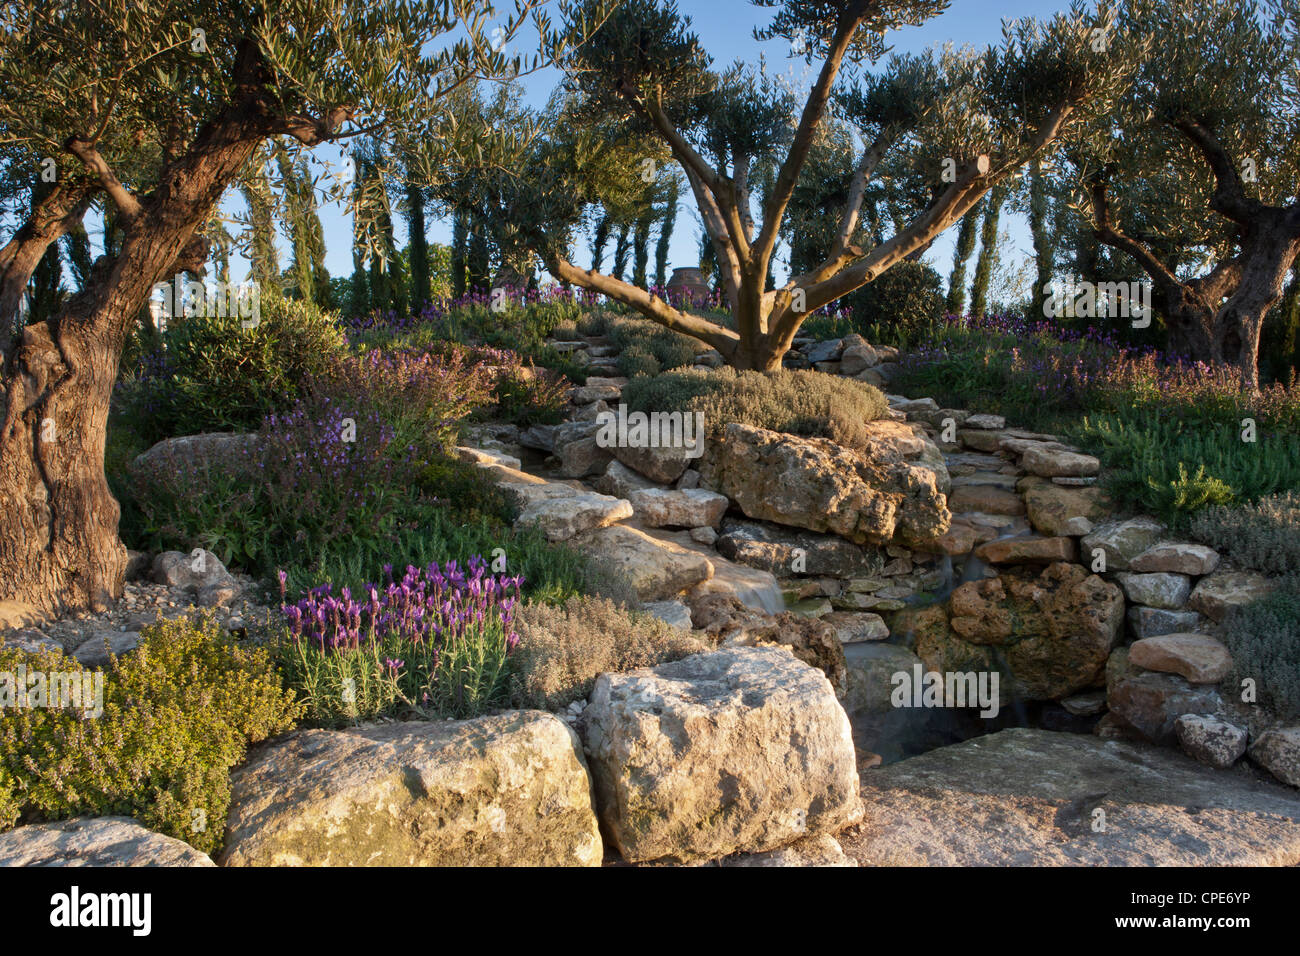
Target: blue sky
x=725 y=28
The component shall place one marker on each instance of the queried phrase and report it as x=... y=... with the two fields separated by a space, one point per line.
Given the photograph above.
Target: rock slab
x=1031 y=798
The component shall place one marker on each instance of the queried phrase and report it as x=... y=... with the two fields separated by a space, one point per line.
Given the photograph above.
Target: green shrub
x=211 y=374
x=901 y=307
x=1172 y=468
x=798 y=402
x=178 y=713
x=1264 y=536
x=1264 y=640
x=653 y=348
x=562 y=650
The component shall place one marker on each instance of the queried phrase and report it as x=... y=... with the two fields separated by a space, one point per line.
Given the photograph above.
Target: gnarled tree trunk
x=59 y=547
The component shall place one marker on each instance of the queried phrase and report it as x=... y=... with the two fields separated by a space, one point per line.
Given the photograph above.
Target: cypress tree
x=956 y=303
x=979 y=289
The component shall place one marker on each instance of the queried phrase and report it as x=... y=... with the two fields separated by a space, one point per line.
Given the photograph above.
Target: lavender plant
x=434 y=643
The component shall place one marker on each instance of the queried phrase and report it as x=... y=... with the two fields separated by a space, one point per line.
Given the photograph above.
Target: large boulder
x=741 y=750
x=656 y=569
x=1049 y=634
x=510 y=790
x=1036 y=798
x=230 y=452
x=95 y=841
x=815 y=484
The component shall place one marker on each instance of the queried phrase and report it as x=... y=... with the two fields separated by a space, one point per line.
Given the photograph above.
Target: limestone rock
x=854 y=627
x=1198 y=658
x=509 y=790
x=737 y=750
x=1156 y=589
x=1027 y=550
x=230 y=452
x=94 y=652
x=1176 y=557
x=95 y=841
x=692 y=508
x=582 y=457
x=773 y=548
x=1151 y=702
x=620 y=481
x=1216 y=594
x=670 y=612
x=871 y=670
x=562 y=512
x=1278 y=751
x=1210 y=740
x=1029 y=798
x=664 y=465
x=16 y=614
x=815 y=484
x=1049 y=634
x=821 y=849
x=1049 y=462
x=1055 y=510
x=986 y=499
x=657 y=570
x=858 y=358
x=1122 y=541
x=193 y=571
x=729 y=623
x=1151 y=622
x=487 y=456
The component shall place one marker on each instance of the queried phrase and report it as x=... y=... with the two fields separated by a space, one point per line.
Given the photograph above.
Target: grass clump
x=799 y=402
x=562 y=650
x=1263 y=536
x=178 y=713
x=1264 y=640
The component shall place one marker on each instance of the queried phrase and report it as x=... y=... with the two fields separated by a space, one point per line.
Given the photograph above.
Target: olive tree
x=962 y=123
x=1197 y=176
x=154 y=107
